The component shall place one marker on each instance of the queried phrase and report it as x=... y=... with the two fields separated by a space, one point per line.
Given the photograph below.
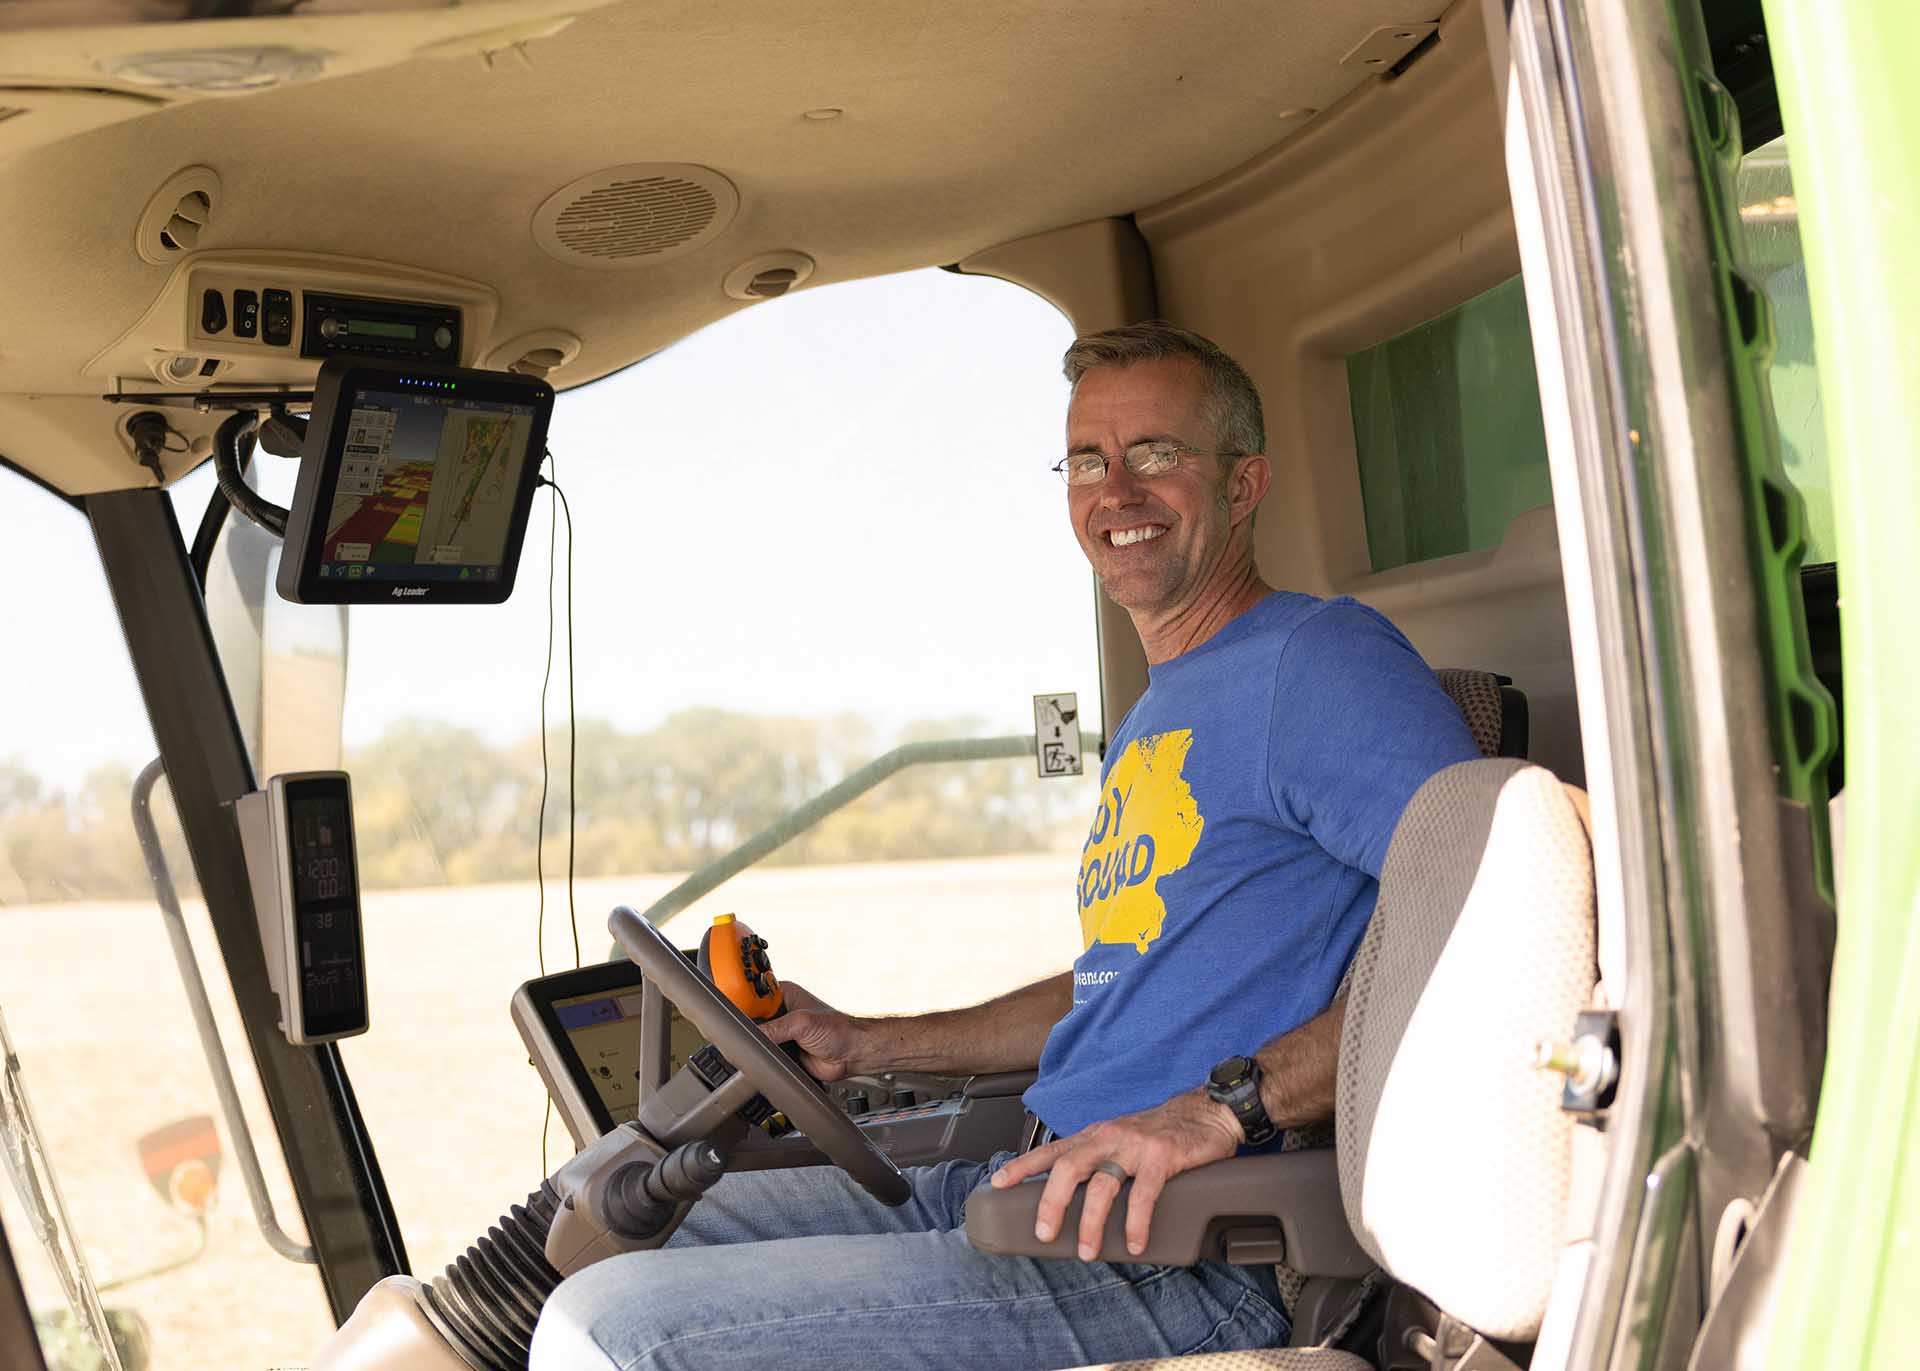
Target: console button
x=246 y=313
x=276 y=323
x=213 y=312
x=902 y=1098
x=856 y=1102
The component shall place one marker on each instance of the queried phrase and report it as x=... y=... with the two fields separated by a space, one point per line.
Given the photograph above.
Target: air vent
x=536 y=354
x=768 y=276
x=177 y=216
x=635 y=216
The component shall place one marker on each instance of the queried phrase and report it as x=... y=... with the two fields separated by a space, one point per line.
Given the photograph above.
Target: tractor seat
x=1453 y=1156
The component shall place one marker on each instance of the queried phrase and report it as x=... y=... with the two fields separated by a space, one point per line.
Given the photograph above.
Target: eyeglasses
x=1142 y=459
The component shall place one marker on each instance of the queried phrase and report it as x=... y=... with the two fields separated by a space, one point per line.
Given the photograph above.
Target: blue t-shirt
x=1246 y=804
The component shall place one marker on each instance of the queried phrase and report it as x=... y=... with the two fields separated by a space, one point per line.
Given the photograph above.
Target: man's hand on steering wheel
x=783 y=1081
x=827 y=1039
x=1152 y=1147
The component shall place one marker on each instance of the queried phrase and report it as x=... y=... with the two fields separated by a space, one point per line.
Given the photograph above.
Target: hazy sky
x=836 y=501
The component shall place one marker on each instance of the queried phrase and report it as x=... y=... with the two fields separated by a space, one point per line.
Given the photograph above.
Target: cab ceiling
x=964 y=126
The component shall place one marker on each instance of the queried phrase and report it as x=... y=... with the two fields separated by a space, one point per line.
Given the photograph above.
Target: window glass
x=820 y=529
x=1447 y=430
x=1770 y=226
x=126 y=1132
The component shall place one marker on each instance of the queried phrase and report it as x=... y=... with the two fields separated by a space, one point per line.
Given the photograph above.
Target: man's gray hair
x=1231 y=404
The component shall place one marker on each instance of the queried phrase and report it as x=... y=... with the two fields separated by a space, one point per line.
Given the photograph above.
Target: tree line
x=436 y=804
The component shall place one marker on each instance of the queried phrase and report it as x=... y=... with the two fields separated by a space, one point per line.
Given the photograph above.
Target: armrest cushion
x=1277 y=1206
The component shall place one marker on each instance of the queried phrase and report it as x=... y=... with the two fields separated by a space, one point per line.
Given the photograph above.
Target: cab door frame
x=1716 y=933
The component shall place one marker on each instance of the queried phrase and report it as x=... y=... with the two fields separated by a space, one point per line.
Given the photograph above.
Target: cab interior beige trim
x=960 y=127
x=1347 y=234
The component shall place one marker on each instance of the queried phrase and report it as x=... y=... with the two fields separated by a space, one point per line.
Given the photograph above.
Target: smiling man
x=1229 y=871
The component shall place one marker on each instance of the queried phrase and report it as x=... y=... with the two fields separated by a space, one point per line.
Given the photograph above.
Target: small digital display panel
x=415 y=484
x=326 y=909
x=604 y=1033
x=585 y=1026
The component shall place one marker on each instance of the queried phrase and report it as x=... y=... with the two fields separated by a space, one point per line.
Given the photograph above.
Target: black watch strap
x=1235 y=1083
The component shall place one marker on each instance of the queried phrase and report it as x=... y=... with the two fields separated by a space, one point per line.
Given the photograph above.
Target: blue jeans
x=803 y=1271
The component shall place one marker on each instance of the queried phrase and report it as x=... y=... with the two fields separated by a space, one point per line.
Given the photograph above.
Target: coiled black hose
x=489 y=1299
x=233 y=485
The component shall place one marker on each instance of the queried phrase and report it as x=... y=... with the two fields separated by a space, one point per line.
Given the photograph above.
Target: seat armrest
x=1256 y=1210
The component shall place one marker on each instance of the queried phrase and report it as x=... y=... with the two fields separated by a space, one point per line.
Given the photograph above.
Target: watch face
x=1229 y=1072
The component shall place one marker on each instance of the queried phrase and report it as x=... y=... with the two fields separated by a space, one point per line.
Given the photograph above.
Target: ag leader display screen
x=328 y=958
x=415 y=485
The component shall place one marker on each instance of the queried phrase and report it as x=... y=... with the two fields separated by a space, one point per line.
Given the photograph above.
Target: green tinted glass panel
x=1770 y=228
x=1446 y=422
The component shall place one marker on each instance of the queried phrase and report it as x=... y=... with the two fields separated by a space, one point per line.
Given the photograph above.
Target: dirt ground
x=108 y=1054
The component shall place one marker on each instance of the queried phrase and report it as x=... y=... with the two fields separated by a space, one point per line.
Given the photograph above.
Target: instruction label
x=1056 y=733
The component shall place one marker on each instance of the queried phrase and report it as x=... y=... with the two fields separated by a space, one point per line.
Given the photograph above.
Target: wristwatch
x=1236 y=1084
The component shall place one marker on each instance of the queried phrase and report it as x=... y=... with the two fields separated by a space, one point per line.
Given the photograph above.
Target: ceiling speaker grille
x=635 y=215
x=636 y=218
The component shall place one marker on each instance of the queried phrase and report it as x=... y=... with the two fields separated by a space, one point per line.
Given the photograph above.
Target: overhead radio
x=333 y=324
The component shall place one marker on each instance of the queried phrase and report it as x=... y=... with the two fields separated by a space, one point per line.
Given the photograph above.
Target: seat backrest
x=1455 y=1157
x=1495 y=712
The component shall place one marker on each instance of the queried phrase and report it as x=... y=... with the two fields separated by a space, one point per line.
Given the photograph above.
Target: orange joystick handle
x=736 y=962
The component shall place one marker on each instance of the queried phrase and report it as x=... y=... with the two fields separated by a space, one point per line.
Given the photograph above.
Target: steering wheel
x=792 y=1091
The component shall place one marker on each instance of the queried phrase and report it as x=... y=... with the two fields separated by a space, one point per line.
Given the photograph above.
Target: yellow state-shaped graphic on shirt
x=1146 y=829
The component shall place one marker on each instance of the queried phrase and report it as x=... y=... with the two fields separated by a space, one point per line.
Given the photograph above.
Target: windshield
x=818 y=531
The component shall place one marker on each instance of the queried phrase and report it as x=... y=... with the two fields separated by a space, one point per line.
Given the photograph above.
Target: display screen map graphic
x=426 y=488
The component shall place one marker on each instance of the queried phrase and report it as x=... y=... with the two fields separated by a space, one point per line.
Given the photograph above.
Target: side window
x=120 y=1190
x=1448 y=432
x=817 y=531
x=1770 y=225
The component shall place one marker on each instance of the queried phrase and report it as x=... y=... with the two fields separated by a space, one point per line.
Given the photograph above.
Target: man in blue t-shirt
x=1229 y=871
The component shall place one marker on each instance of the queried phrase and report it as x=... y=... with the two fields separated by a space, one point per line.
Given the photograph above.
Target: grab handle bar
x=210 y=1044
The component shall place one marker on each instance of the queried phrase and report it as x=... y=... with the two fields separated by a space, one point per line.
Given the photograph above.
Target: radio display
x=381 y=328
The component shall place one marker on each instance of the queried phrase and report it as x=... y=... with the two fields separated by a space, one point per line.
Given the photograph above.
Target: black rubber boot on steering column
x=489 y=1299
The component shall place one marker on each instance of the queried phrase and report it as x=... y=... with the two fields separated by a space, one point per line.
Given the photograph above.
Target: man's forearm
x=1005 y=1034
x=1298 y=1069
